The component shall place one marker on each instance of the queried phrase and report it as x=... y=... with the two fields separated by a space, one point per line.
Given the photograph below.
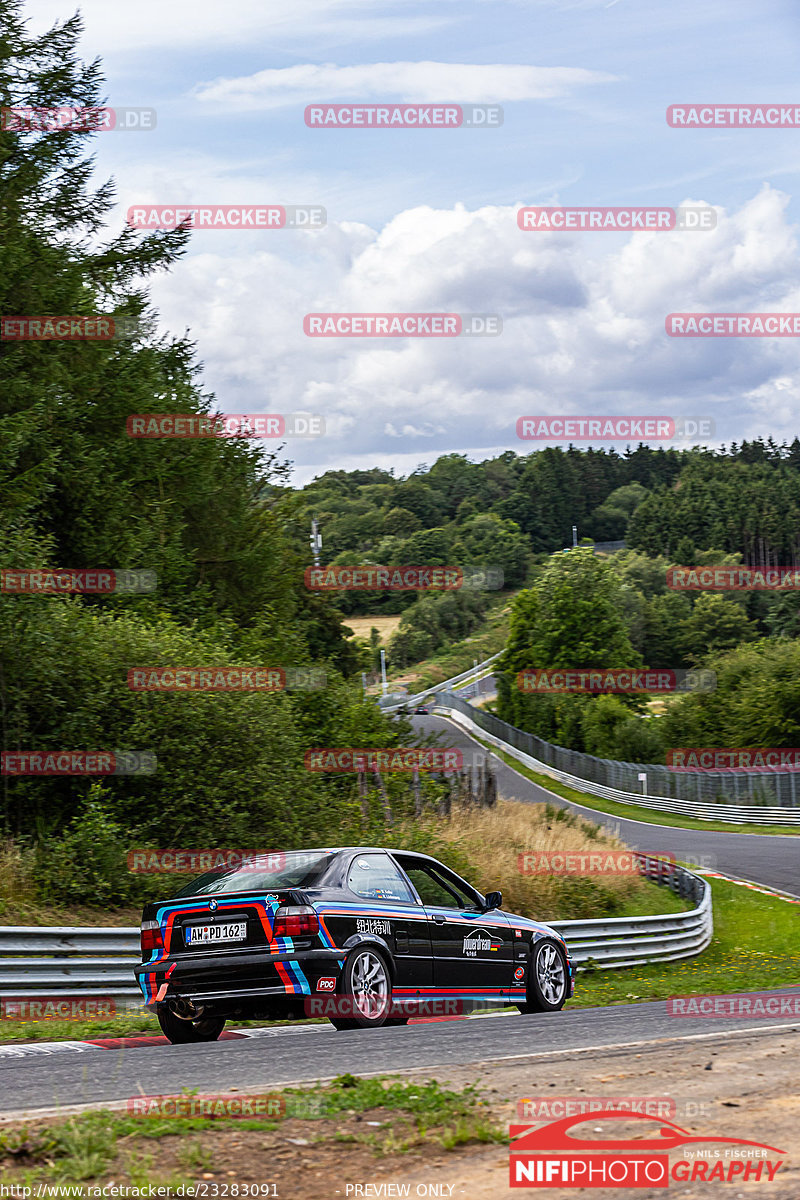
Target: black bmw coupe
x=363 y=935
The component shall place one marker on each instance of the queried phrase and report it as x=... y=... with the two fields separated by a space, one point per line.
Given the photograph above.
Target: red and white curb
x=28 y=1049
x=775 y=893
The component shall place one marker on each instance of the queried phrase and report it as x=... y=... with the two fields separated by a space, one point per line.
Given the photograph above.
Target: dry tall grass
x=17 y=868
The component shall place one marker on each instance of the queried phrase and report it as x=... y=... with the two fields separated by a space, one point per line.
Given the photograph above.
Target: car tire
x=548 y=978
x=366 y=976
x=180 y=1031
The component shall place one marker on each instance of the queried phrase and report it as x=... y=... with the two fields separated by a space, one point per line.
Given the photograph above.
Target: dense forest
x=212 y=518
x=585 y=610
x=742 y=499
x=737 y=504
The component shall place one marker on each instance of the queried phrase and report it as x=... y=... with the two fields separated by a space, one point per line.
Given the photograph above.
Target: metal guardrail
x=40 y=961
x=445 y=686
x=511 y=740
x=62 y=961
x=631 y=941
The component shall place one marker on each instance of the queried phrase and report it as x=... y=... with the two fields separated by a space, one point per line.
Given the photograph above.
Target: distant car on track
x=422 y=711
x=374 y=927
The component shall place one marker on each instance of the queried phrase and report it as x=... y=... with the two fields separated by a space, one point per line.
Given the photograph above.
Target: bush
x=87 y=864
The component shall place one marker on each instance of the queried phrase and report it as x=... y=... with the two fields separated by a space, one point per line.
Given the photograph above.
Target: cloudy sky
x=425 y=220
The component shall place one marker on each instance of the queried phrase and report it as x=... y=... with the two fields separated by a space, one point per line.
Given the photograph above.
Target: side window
x=375 y=877
x=435 y=890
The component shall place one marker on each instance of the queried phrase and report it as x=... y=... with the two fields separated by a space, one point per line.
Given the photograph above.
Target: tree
x=400 y=522
x=665 y=630
x=488 y=540
x=756 y=701
x=569 y=619
x=715 y=625
x=610 y=519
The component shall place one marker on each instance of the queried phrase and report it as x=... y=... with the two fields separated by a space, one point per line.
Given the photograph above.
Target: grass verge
x=755 y=945
x=366 y=1118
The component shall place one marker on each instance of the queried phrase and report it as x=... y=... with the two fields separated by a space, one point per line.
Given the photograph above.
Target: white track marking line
x=30 y=1049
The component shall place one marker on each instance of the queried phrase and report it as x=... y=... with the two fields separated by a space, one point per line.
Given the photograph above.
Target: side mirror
x=493 y=900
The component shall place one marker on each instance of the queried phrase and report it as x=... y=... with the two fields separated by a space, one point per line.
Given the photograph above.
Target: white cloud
x=583 y=329
x=173 y=24
x=408 y=430
x=404 y=81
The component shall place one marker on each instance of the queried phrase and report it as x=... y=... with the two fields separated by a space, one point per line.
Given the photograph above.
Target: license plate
x=234 y=931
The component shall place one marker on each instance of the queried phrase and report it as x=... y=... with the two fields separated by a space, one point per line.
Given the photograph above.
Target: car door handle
x=439 y=920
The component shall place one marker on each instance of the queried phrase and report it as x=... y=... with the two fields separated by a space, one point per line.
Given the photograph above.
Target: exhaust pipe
x=185 y=1009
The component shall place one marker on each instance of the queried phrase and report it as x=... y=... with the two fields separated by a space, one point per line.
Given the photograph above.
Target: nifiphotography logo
x=553 y=1156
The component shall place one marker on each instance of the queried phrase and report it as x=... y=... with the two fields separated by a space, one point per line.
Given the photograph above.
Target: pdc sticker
x=326 y=984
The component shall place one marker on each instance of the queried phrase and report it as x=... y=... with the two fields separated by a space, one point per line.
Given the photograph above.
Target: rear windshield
x=295 y=868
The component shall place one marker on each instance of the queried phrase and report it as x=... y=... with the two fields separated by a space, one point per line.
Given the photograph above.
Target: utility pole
x=316 y=541
x=574 y=536
x=383 y=672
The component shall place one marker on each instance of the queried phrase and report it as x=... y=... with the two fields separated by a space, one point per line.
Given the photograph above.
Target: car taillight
x=151 y=938
x=295 y=922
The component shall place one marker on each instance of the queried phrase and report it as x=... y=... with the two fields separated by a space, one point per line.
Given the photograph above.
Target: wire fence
x=772 y=789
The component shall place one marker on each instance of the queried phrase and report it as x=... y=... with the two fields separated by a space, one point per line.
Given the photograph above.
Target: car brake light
x=151 y=938
x=295 y=922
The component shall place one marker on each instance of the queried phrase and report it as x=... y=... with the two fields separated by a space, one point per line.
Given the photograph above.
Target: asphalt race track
x=298 y=1054
x=761 y=858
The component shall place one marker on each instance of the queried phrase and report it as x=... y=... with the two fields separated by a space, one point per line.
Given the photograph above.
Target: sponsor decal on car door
x=470 y=950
